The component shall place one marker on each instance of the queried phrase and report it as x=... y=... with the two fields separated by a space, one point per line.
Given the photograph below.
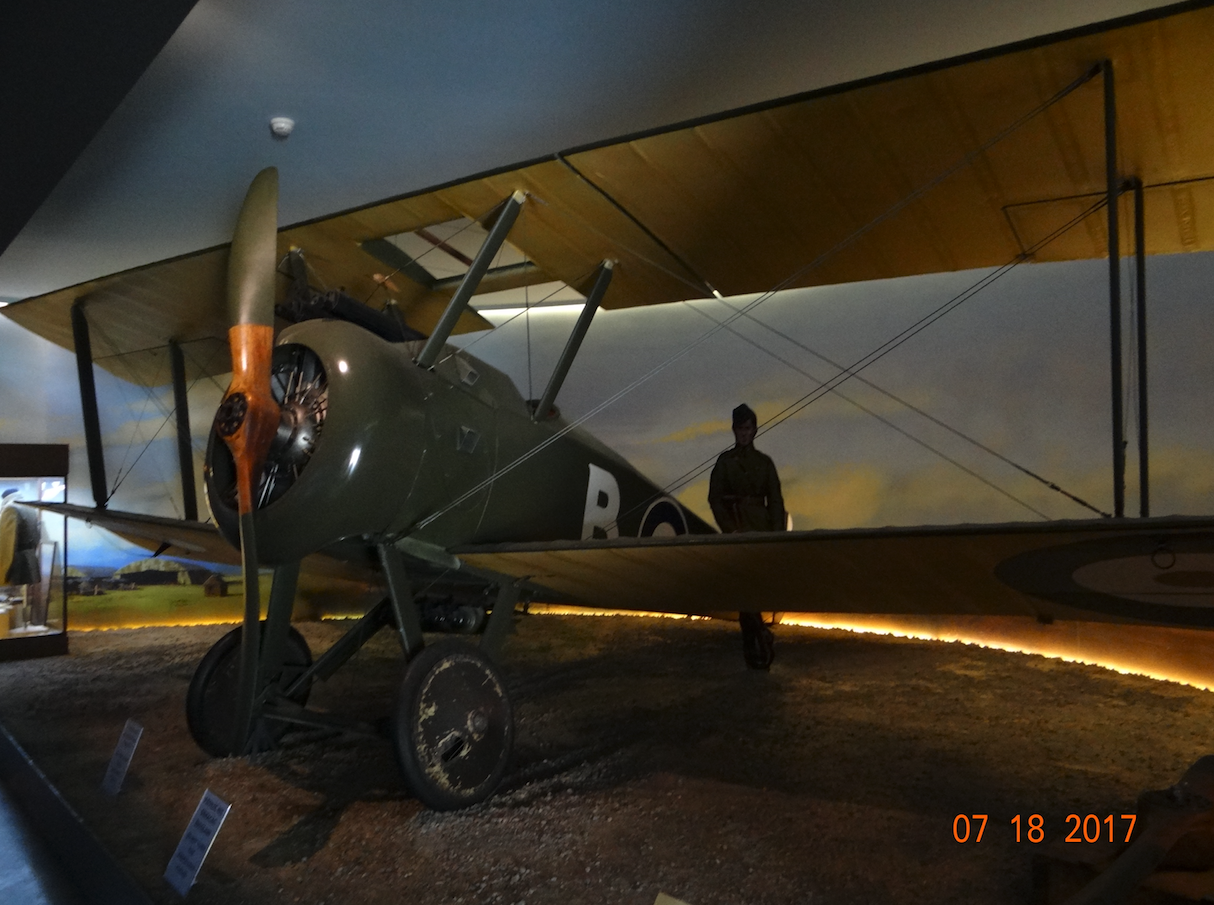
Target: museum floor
x=647 y=760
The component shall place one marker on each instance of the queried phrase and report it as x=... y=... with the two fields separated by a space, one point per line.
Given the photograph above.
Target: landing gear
x=453 y=728
x=210 y=703
x=758 y=643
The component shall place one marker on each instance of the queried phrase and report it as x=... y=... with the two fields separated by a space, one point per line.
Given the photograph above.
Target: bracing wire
x=118 y=480
x=380 y=284
x=522 y=311
x=919 y=411
x=889 y=345
x=614 y=240
x=120 y=476
x=918 y=192
x=149 y=396
x=881 y=418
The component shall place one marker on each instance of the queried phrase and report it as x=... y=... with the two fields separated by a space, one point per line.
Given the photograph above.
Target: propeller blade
x=248 y=416
x=254 y=255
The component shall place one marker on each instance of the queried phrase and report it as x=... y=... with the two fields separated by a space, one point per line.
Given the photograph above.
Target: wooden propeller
x=248 y=416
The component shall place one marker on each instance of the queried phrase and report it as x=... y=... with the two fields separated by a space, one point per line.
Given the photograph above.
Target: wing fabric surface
x=1158 y=570
x=743 y=201
x=190 y=540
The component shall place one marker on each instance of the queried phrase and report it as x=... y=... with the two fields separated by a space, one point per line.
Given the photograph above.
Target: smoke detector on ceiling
x=281 y=127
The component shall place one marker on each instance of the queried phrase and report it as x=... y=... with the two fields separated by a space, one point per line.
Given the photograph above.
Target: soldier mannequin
x=744 y=493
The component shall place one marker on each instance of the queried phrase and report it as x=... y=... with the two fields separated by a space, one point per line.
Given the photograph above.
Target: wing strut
x=88 y=403
x=1113 y=189
x=472 y=279
x=1140 y=312
x=185 y=446
x=544 y=408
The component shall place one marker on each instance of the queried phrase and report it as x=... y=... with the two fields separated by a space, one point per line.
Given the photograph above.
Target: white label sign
x=121 y=761
x=196 y=843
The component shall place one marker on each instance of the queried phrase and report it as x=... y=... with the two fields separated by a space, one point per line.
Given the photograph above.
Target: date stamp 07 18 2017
x=1090 y=828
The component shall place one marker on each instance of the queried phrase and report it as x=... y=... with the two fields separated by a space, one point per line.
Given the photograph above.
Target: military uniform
x=744 y=492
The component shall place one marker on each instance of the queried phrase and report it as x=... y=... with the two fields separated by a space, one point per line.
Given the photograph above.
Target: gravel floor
x=647 y=759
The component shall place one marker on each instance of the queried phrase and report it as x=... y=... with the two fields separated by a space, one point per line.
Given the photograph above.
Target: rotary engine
x=348 y=450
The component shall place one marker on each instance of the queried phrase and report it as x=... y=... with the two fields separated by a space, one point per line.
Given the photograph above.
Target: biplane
x=354 y=436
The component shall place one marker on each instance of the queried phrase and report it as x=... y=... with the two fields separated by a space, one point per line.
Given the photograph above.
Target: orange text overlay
x=1089 y=828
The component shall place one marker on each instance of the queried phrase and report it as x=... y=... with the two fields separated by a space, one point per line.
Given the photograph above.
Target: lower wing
x=1157 y=570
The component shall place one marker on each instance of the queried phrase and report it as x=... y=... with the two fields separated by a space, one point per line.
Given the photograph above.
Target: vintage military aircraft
x=359 y=436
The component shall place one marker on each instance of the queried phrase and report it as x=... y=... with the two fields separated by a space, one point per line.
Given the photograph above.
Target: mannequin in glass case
x=20 y=535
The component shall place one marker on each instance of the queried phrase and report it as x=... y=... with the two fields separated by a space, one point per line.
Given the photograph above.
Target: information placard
x=196 y=842
x=121 y=761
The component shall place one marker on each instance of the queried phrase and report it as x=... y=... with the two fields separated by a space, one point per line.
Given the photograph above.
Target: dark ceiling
x=67 y=66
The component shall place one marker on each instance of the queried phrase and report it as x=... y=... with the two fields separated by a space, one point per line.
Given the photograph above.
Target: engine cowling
x=349 y=450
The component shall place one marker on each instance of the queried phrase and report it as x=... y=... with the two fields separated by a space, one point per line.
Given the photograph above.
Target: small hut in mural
x=215 y=586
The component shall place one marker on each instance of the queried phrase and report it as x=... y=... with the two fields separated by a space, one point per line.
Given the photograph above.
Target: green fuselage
x=449 y=456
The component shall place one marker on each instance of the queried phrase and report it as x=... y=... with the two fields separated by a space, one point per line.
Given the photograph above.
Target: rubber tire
x=210 y=700
x=444 y=688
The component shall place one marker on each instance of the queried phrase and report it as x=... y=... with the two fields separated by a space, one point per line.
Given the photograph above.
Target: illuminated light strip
x=116 y=624
x=1057 y=650
x=1077 y=651
x=551 y=609
x=1051 y=651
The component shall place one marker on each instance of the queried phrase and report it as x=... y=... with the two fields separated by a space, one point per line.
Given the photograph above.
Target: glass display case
x=33 y=551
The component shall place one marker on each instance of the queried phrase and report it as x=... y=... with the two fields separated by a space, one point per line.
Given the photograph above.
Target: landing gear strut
x=758 y=643
x=452 y=724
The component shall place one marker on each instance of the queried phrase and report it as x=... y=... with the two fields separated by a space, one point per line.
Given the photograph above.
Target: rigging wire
x=615 y=242
x=129 y=446
x=380 y=284
x=889 y=345
x=119 y=476
x=882 y=419
x=118 y=481
x=702 y=283
x=785 y=283
x=930 y=417
x=536 y=304
x=149 y=396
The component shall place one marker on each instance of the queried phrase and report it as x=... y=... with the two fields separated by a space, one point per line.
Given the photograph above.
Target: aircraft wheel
x=758 y=642
x=210 y=702
x=453 y=727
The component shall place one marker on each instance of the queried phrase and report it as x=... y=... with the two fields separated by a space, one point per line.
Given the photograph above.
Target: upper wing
x=1158 y=570
x=809 y=190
